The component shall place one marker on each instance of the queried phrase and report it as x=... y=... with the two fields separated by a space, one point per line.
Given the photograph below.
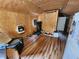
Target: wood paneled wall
x=49 y=21
x=10 y=20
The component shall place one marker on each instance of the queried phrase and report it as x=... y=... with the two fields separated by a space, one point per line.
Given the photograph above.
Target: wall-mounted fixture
x=20 y=29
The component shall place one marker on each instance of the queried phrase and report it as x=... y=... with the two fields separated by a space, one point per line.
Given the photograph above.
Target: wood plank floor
x=44 y=48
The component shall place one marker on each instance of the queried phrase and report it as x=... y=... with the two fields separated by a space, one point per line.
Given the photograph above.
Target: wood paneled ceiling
x=50 y=4
x=38 y=6
x=71 y=7
x=23 y=6
x=66 y=6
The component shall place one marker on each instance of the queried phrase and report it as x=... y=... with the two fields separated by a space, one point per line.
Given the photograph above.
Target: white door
x=72 y=45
